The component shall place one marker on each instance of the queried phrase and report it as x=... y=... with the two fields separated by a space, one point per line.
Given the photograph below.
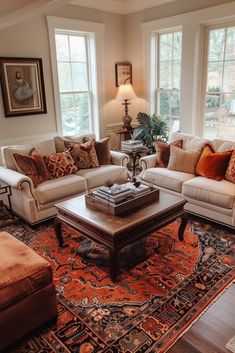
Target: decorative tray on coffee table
x=134 y=200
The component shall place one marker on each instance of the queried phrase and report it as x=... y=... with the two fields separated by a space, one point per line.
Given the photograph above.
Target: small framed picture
x=123 y=73
x=22 y=86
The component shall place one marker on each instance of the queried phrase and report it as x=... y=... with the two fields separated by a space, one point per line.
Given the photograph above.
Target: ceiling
x=120 y=6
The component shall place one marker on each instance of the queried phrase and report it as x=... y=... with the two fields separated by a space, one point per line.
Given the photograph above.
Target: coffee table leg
x=184 y=222
x=113 y=264
x=58 y=232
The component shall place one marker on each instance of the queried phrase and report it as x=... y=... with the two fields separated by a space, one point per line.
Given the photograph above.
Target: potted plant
x=150 y=129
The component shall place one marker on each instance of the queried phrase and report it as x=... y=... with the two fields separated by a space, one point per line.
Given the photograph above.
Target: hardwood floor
x=213 y=330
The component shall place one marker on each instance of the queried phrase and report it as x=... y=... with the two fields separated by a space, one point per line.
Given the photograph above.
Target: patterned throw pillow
x=84 y=154
x=60 y=164
x=102 y=149
x=163 y=152
x=33 y=166
x=213 y=165
x=230 y=172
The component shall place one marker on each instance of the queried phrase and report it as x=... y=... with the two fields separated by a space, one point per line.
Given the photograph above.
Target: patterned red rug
x=164 y=286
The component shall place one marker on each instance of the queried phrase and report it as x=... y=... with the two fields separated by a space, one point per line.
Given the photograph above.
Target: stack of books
x=132 y=145
x=114 y=195
x=141 y=189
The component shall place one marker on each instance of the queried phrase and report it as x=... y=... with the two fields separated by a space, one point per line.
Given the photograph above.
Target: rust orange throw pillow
x=230 y=172
x=163 y=152
x=213 y=165
x=33 y=166
x=60 y=164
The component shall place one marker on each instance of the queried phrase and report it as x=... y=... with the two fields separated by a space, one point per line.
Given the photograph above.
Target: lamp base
x=127 y=122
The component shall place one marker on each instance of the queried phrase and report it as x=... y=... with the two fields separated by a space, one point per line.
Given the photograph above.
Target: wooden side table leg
x=58 y=232
x=184 y=222
x=113 y=264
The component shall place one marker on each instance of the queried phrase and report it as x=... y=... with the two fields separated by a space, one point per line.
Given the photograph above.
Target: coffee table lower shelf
x=115 y=232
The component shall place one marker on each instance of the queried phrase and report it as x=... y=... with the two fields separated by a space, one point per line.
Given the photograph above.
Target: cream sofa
x=37 y=204
x=206 y=197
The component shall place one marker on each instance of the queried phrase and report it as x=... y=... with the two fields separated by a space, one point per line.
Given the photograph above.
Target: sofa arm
x=14 y=179
x=147 y=162
x=119 y=158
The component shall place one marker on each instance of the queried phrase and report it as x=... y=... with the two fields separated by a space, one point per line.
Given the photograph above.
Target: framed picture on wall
x=123 y=73
x=22 y=86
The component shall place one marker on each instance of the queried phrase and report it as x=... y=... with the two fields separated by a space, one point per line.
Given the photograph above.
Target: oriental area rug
x=164 y=286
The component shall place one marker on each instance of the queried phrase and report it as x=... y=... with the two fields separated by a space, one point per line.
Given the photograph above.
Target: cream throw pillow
x=183 y=161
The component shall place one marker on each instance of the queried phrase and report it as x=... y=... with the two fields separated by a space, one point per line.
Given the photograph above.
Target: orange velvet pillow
x=213 y=165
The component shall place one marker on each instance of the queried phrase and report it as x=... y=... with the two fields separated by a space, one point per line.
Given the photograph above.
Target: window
x=74 y=83
x=76 y=59
x=169 y=48
x=219 y=103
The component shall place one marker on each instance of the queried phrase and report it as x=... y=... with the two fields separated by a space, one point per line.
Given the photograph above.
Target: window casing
x=168 y=76
x=219 y=85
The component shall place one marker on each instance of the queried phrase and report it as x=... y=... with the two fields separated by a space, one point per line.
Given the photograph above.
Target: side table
x=135 y=156
x=5 y=212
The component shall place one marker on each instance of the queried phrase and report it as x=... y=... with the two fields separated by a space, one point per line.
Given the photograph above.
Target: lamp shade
x=126 y=92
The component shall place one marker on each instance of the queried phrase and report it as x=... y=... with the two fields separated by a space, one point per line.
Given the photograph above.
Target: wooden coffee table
x=115 y=232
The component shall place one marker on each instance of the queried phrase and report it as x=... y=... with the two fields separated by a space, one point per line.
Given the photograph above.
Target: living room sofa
x=207 y=198
x=35 y=204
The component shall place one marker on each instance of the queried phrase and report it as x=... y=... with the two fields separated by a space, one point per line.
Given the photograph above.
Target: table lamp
x=126 y=93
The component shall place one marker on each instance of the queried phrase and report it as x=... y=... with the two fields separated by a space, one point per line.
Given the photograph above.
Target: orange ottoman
x=27 y=294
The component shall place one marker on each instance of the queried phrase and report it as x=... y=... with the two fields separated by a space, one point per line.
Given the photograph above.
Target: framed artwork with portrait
x=22 y=86
x=123 y=73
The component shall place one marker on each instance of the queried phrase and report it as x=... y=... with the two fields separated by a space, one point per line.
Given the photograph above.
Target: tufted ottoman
x=27 y=294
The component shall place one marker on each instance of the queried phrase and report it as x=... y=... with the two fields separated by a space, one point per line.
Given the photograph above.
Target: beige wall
x=30 y=39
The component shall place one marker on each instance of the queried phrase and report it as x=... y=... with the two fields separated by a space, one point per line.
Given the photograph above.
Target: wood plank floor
x=213 y=330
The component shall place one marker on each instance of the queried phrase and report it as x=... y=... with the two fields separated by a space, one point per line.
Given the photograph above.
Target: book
x=142 y=188
x=114 y=199
x=115 y=196
x=108 y=199
x=115 y=189
x=132 y=142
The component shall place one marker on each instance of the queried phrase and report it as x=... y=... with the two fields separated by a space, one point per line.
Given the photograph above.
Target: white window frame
x=94 y=32
x=205 y=66
x=156 y=82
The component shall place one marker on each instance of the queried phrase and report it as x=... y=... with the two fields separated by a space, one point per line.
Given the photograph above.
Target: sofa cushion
x=57 y=189
x=84 y=154
x=183 y=161
x=96 y=177
x=213 y=165
x=60 y=164
x=60 y=140
x=166 y=178
x=33 y=166
x=163 y=152
x=22 y=271
x=219 y=145
x=219 y=193
x=230 y=172
x=190 y=142
x=102 y=149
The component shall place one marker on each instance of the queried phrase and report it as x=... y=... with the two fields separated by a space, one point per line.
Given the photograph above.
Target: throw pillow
x=213 y=165
x=230 y=172
x=33 y=166
x=183 y=161
x=102 y=149
x=60 y=164
x=84 y=154
x=163 y=152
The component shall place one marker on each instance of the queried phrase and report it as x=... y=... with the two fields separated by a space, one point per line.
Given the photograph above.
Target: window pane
x=175 y=103
x=77 y=48
x=62 y=47
x=176 y=74
x=79 y=77
x=69 y=122
x=216 y=44
x=66 y=102
x=177 y=53
x=81 y=103
x=83 y=123
x=164 y=102
x=214 y=78
x=166 y=75
x=64 y=77
x=229 y=77
x=166 y=47
x=230 y=45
